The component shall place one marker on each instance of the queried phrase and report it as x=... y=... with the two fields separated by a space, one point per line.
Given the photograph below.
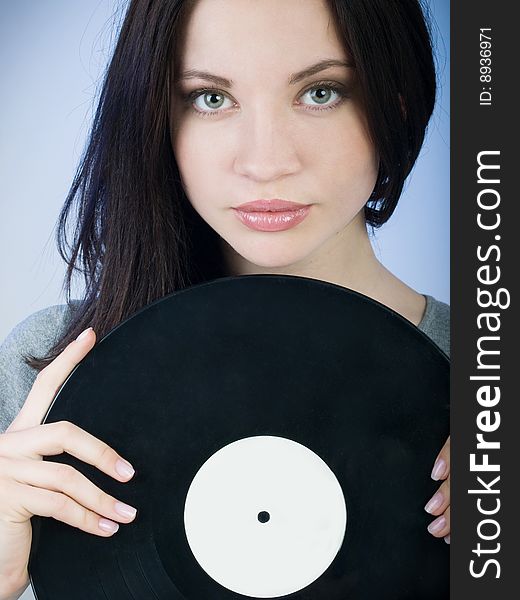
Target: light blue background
x=52 y=55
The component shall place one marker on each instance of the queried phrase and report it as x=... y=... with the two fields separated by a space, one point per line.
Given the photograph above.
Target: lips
x=274 y=205
x=271 y=215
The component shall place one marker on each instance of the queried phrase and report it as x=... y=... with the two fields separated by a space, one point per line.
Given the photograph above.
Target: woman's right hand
x=31 y=486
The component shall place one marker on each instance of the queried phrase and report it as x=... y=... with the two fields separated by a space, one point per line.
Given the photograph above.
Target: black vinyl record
x=282 y=429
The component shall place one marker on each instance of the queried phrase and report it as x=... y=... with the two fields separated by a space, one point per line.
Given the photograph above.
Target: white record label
x=265 y=516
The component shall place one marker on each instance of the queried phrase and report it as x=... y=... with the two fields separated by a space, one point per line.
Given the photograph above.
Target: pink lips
x=271 y=215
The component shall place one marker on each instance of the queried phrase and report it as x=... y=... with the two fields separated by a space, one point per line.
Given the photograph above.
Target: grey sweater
x=38 y=333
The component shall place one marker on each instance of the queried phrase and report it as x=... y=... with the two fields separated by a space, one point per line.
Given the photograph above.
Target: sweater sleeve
x=34 y=336
x=436 y=323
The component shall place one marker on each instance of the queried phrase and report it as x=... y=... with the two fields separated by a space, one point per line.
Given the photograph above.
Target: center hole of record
x=263 y=516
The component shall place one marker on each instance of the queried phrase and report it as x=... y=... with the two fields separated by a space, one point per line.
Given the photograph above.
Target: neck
x=347 y=260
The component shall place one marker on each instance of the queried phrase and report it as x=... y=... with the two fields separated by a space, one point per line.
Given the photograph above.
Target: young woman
x=231 y=137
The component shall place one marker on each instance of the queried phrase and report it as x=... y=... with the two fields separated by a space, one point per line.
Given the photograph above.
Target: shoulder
x=34 y=336
x=436 y=322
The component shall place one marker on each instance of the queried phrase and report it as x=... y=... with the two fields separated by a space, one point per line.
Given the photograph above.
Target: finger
x=441 y=526
x=65 y=479
x=51 y=439
x=49 y=380
x=440 y=501
x=46 y=503
x=441 y=468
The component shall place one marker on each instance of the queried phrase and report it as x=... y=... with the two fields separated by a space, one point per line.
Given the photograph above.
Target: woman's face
x=268 y=133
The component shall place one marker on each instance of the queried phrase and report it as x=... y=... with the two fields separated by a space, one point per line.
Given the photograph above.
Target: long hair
x=135 y=236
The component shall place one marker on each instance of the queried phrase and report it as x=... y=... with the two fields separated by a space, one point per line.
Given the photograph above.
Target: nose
x=266 y=150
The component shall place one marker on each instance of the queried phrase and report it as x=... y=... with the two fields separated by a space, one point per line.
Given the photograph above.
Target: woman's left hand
x=439 y=505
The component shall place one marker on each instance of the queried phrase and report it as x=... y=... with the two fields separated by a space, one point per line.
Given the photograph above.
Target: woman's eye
x=211 y=102
x=321 y=95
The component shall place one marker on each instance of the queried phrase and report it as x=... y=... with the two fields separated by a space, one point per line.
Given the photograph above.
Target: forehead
x=238 y=37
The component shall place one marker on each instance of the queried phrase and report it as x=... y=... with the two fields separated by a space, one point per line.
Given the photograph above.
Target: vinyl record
x=282 y=430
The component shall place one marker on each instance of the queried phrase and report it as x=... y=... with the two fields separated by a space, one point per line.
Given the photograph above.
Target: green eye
x=321 y=94
x=209 y=101
x=212 y=99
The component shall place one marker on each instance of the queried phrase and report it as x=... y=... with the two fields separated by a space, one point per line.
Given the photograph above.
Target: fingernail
x=439 y=469
x=124 y=468
x=83 y=334
x=434 y=503
x=437 y=525
x=125 y=510
x=107 y=525
x=447 y=539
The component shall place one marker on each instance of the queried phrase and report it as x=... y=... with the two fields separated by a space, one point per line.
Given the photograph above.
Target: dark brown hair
x=135 y=236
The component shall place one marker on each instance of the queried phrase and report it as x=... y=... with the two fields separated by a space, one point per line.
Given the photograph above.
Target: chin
x=270 y=257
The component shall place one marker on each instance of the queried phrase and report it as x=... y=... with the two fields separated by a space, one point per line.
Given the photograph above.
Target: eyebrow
x=294 y=78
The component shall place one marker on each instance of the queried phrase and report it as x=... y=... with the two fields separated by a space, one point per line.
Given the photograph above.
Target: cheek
x=349 y=164
x=196 y=159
